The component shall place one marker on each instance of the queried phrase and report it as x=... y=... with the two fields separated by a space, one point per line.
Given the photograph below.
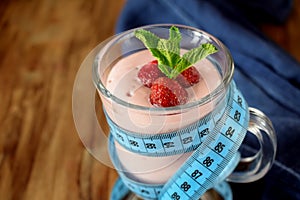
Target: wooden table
x=42 y=44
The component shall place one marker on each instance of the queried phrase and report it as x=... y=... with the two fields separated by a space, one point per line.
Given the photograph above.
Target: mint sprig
x=167 y=51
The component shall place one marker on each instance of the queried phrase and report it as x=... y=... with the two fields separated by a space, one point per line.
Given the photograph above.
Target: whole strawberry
x=149 y=73
x=167 y=92
x=189 y=77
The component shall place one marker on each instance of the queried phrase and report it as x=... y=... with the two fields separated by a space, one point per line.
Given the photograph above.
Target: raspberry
x=167 y=92
x=188 y=77
x=149 y=73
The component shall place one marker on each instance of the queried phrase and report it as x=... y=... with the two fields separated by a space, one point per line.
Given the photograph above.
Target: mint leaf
x=151 y=42
x=174 y=40
x=193 y=56
x=171 y=47
x=149 y=39
x=167 y=51
x=170 y=51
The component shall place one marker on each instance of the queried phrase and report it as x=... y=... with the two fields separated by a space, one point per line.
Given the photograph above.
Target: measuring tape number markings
x=214 y=141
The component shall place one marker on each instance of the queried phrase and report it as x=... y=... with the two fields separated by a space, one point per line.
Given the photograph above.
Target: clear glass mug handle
x=255 y=166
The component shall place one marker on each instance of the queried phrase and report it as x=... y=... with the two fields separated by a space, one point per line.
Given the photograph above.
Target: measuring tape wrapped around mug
x=214 y=141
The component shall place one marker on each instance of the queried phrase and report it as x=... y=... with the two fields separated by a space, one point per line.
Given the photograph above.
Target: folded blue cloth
x=268 y=77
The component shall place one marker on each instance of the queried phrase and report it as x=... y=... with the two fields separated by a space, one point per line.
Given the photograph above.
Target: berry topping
x=171 y=72
x=149 y=73
x=188 y=77
x=167 y=92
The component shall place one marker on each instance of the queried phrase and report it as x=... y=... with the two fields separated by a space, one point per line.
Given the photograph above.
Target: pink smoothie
x=122 y=82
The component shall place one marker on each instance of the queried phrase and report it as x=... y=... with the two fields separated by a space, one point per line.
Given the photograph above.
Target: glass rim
x=226 y=79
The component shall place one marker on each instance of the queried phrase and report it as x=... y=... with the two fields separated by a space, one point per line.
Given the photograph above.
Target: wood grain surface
x=42 y=44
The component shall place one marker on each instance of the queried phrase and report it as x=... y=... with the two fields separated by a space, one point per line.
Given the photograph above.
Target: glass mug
x=134 y=122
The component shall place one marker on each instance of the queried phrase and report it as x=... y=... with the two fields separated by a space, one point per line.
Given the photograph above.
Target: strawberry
x=149 y=73
x=188 y=77
x=167 y=92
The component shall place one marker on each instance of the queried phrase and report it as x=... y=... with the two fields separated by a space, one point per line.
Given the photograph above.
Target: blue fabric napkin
x=268 y=77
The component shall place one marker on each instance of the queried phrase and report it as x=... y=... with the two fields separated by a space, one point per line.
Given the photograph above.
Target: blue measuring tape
x=214 y=141
x=121 y=191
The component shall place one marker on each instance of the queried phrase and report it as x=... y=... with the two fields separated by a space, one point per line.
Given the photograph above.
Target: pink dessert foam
x=123 y=83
